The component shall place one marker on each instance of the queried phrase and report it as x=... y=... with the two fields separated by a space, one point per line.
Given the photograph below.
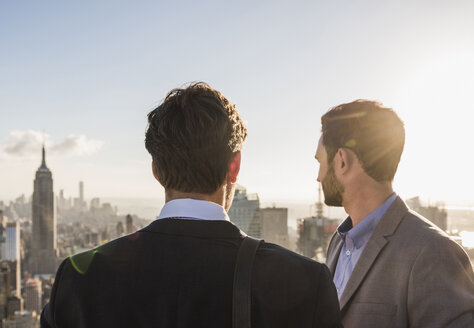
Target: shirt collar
x=360 y=234
x=187 y=208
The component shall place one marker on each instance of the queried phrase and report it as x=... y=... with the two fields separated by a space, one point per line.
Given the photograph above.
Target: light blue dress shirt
x=355 y=239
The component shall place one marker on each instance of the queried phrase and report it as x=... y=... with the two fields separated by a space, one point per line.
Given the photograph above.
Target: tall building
x=12 y=255
x=62 y=203
x=3 y=239
x=14 y=304
x=14 y=276
x=33 y=295
x=119 y=229
x=129 y=226
x=315 y=232
x=12 y=241
x=81 y=191
x=244 y=212
x=44 y=259
x=4 y=290
x=274 y=225
x=95 y=204
x=79 y=204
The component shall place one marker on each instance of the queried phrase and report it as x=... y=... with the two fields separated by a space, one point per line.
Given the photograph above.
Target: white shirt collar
x=187 y=208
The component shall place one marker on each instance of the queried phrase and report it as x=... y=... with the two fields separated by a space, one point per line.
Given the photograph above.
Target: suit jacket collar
x=386 y=227
x=195 y=228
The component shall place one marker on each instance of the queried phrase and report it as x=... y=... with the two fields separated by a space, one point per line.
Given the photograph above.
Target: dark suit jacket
x=179 y=273
x=410 y=274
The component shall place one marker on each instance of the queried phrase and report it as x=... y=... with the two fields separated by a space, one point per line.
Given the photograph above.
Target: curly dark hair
x=192 y=137
x=375 y=133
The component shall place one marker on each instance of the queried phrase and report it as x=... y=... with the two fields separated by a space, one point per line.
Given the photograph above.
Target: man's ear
x=234 y=168
x=342 y=161
x=155 y=173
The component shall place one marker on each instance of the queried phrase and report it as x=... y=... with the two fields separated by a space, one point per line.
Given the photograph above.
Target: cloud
x=23 y=143
x=77 y=145
x=27 y=144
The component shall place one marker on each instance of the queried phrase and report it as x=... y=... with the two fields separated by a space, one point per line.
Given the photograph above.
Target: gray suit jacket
x=410 y=274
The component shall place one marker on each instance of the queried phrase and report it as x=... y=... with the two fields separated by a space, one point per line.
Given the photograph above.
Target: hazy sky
x=87 y=73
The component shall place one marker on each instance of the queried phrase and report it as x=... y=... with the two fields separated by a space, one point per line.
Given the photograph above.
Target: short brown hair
x=375 y=133
x=192 y=137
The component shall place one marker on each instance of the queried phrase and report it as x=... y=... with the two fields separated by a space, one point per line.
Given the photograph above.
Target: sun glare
x=435 y=103
x=467 y=238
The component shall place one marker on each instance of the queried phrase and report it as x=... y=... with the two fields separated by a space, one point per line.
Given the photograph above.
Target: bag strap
x=242 y=282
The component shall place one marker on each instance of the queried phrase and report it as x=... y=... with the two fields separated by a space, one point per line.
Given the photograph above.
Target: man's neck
x=361 y=201
x=217 y=197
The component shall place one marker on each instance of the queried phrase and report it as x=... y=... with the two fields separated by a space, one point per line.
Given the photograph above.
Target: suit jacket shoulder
x=410 y=274
x=441 y=280
x=180 y=272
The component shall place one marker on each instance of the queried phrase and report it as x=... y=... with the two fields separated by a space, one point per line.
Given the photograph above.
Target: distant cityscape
x=38 y=232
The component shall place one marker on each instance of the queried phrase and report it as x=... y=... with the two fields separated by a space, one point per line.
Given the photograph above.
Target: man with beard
x=391 y=267
x=179 y=270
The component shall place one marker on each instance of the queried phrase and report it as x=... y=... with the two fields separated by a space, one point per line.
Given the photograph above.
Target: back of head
x=373 y=132
x=192 y=137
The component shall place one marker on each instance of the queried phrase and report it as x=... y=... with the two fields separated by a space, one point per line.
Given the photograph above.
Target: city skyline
x=89 y=87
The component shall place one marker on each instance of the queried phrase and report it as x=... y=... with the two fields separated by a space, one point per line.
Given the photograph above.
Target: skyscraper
x=12 y=241
x=14 y=304
x=80 y=204
x=129 y=226
x=12 y=254
x=14 y=267
x=244 y=212
x=119 y=229
x=4 y=290
x=33 y=295
x=44 y=258
x=274 y=227
x=81 y=191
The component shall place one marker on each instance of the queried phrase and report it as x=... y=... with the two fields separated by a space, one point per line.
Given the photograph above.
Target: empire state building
x=44 y=259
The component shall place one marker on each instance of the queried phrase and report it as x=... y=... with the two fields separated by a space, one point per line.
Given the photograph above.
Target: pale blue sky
x=95 y=68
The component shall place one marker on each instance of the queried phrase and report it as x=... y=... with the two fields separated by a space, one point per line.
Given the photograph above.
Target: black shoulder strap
x=242 y=282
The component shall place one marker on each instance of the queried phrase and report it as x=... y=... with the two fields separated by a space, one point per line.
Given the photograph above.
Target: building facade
x=4 y=290
x=244 y=212
x=274 y=225
x=14 y=304
x=14 y=276
x=44 y=250
x=315 y=232
x=33 y=295
x=12 y=241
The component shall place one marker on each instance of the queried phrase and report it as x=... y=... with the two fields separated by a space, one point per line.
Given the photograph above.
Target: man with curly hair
x=179 y=270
